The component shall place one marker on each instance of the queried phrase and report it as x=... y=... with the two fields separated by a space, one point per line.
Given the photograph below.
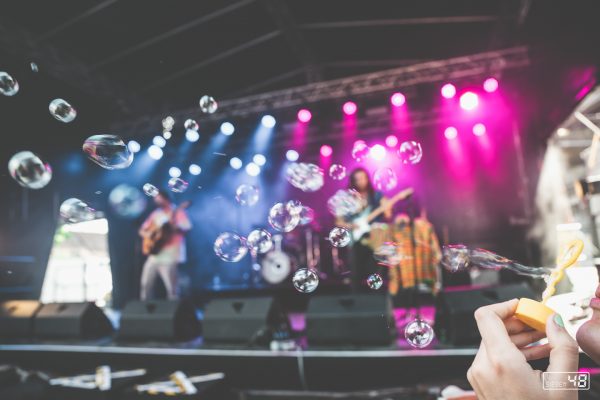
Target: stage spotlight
x=450 y=133
x=479 y=129
x=268 y=121
x=377 y=152
x=252 y=169
x=235 y=163
x=292 y=155
x=349 y=108
x=195 y=169
x=159 y=141
x=304 y=115
x=133 y=146
x=174 y=172
x=448 y=91
x=398 y=99
x=490 y=85
x=562 y=132
x=167 y=135
x=227 y=128
x=469 y=101
x=259 y=160
x=155 y=152
x=391 y=141
x=326 y=150
x=192 y=135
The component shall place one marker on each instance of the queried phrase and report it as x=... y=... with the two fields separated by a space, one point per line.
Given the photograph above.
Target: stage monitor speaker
x=360 y=319
x=16 y=318
x=454 y=320
x=242 y=320
x=165 y=320
x=71 y=320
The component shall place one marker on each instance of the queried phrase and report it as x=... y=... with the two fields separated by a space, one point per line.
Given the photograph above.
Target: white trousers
x=153 y=268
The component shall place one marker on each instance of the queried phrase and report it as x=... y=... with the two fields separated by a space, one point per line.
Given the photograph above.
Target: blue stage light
x=195 y=169
x=192 y=135
x=268 y=121
x=252 y=169
x=159 y=141
x=227 y=128
x=259 y=160
x=292 y=155
x=235 y=163
x=155 y=152
x=133 y=146
x=174 y=172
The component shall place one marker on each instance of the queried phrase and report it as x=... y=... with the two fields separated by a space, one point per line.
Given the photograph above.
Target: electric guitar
x=362 y=222
x=160 y=234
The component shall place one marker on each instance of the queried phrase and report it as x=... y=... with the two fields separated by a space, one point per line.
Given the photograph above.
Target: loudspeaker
x=454 y=320
x=16 y=317
x=170 y=320
x=242 y=320
x=360 y=319
x=71 y=320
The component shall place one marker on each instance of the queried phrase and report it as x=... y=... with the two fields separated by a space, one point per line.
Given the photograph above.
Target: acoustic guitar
x=161 y=234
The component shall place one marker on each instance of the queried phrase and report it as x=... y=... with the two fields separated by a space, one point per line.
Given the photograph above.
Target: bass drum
x=276 y=267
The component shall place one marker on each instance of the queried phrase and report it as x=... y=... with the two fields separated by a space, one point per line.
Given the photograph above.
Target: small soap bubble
x=29 y=171
x=305 y=176
x=177 y=185
x=345 y=202
x=34 y=67
x=305 y=280
x=284 y=217
x=191 y=125
x=385 y=179
x=74 y=210
x=410 y=152
x=108 y=151
x=307 y=215
x=339 y=237
x=294 y=206
x=418 y=333
x=127 y=201
x=455 y=258
x=259 y=241
x=150 y=190
x=374 y=281
x=387 y=254
x=360 y=151
x=247 y=195
x=8 y=85
x=62 y=111
x=208 y=104
x=230 y=247
x=337 y=172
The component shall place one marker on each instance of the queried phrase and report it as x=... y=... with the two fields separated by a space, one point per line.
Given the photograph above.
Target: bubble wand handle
x=567 y=259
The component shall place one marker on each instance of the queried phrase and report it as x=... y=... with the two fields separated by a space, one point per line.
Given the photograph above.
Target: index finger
x=490 y=321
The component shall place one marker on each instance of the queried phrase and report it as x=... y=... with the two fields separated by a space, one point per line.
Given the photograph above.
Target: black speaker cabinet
x=71 y=320
x=360 y=319
x=165 y=320
x=241 y=320
x=454 y=320
x=16 y=317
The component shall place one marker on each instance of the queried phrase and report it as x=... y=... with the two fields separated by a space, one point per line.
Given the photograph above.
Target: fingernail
x=558 y=320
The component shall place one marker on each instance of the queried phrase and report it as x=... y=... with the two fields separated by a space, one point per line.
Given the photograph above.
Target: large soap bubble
x=305 y=176
x=127 y=201
x=259 y=241
x=339 y=237
x=410 y=152
x=29 y=170
x=8 y=85
x=177 y=185
x=74 y=210
x=246 y=195
x=305 y=280
x=419 y=333
x=385 y=179
x=230 y=247
x=208 y=104
x=284 y=217
x=108 y=151
x=360 y=150
x=62 y=111
x=345 y=203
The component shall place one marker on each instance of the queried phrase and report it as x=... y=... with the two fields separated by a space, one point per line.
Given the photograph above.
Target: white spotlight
x=259 y=160
x=167 y=135
x=159 y=141
x=192 y=135
x=195 y=169
x=227 y=128
x=268 y=121
x=252 y=169
x=235 y=163
x=292 y=155
x=133 y=146
x=155 y=152
x=174 y=172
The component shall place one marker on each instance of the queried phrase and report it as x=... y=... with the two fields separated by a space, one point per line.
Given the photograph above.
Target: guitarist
x=362 y=262
x=170 y=252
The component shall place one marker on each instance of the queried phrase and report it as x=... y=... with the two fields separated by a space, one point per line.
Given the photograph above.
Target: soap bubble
x=283 y=217
x=345 y=202
x=74 y=210
x=8 y=86
x=127 y=201
x=208 y=104
x=360 y=150
x=168 y=124
x=150 y=190
x=307 y=215
x=259 y=241
x=108 y=151
x=246 y=195
x=410 y=152
x=177 y=185
x=374 y=281
x=337 y=172
x=29 y=170
x=385 y=179
x=305 y=280
x=294 y=206
x=191 y=125
x=339 y=237
x=455 y=258
x=62 y=111
x=34 y=67
x=418 y=333
x=305 y=176
x=230 y=247
x=387 y=254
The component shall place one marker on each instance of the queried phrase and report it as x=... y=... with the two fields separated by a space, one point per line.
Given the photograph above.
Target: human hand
x=500 y=369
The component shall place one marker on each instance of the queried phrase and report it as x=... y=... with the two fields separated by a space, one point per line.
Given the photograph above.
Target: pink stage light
x=398 y=99
x=490 y=85
x=377 y=152
x=326 y=150
x=391 y=141
x=349 y=108
x=450 y=133
x=479 y=129
x=448 y=91
x=469 y=101
x=304 y=115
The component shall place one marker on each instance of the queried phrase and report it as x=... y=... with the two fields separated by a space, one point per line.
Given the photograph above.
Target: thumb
x=564 y=353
